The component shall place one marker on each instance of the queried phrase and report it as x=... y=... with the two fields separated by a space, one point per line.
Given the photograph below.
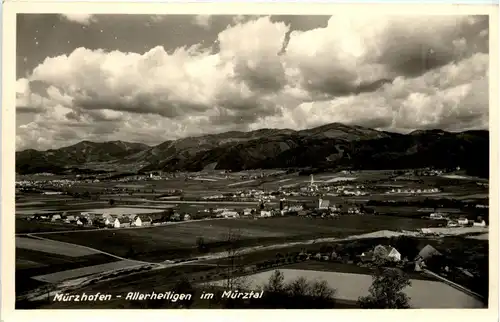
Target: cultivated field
x=175 y=241
x=86 y=271
x=422 y=293
x=54 y=247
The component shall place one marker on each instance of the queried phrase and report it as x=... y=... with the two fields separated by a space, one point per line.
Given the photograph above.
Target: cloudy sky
x=149 y=78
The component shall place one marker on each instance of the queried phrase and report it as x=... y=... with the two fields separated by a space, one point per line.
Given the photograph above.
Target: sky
x=152 y=78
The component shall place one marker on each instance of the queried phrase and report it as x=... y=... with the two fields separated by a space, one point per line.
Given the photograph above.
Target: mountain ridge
x=327 y=146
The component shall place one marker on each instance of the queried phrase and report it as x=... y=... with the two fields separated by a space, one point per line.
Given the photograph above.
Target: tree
x=321 y=290
x=232 y=250
x=386 y=291
x=111 y=202
x=276 y=283
x=298 y=287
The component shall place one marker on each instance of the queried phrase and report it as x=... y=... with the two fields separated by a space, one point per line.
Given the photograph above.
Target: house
x=230 y=214
x=462 y=221
x=70 y=219
x=265 y=213
x=109 y=221
x=122 y=222
x=437 y=215
x=142 y=220
x=55 y=217
x=353 y=211
x=392 y=253
x=453 y=223
x=427 y=252
x=186 y=217
x=323 y=204
x=481 y=223
x=82 y=221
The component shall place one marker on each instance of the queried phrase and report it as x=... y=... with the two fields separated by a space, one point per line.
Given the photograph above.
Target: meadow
x=167 y=242
x=422 y=293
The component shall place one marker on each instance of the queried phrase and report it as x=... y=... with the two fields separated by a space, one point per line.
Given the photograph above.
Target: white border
x=8 y=153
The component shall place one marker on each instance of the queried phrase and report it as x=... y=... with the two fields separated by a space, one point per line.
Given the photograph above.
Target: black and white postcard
x=334 y=157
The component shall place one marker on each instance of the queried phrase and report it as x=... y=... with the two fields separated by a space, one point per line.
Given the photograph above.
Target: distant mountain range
x=328 y=147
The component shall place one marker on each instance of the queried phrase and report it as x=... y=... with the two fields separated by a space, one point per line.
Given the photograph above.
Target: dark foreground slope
x=331 y=146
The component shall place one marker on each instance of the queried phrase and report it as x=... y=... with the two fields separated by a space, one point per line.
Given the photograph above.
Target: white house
x=462 y=221
x=323 y=204
x=437 y=215
x=265 y=213
x=482 y=223
x=393 y=255
x=70 y=219
x=109 y=221
x=388 y=252
x=55 y=217
x=122 y=222
x=141 y=220
x=230 y=214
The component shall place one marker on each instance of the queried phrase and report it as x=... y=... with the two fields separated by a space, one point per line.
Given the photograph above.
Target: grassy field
x=46 y=263
x=85 y=271
x=422 y=293
x=176 y=241
x=53 y=247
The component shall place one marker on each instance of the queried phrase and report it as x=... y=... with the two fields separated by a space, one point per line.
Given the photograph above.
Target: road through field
x=90 y=248
x=80 y=282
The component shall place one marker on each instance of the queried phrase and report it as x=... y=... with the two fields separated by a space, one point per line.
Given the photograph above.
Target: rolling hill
x=330 y=146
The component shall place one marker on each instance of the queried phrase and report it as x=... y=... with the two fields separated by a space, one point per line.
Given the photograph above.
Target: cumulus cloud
x=81 y=18
x=391 y=73
x=203 y=20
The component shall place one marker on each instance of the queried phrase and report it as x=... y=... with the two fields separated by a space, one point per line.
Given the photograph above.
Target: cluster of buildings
x=111 y=220
x=412 y=191
x=461 y=221
x=56 y=183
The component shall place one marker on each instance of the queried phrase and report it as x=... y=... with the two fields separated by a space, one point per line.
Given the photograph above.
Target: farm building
x=265 y=213
x=142 y=220
x=427 y=252
x=122 y=222
x=109 y=221
x=230 y=214
x=437 y=215
x=83 y=221
x=453 y=223
x=70 y=219
x=323 y=204
x=55 y=217
x=186 y=217
x=462 y=221
x=481 y=223
x=387 y=252
x=354 y=211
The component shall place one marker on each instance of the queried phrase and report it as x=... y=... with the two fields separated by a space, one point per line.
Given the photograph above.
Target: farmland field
x=54 y=247
x=422 y=293
x=173 y=241
x=85 y=271
x=30 y=263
